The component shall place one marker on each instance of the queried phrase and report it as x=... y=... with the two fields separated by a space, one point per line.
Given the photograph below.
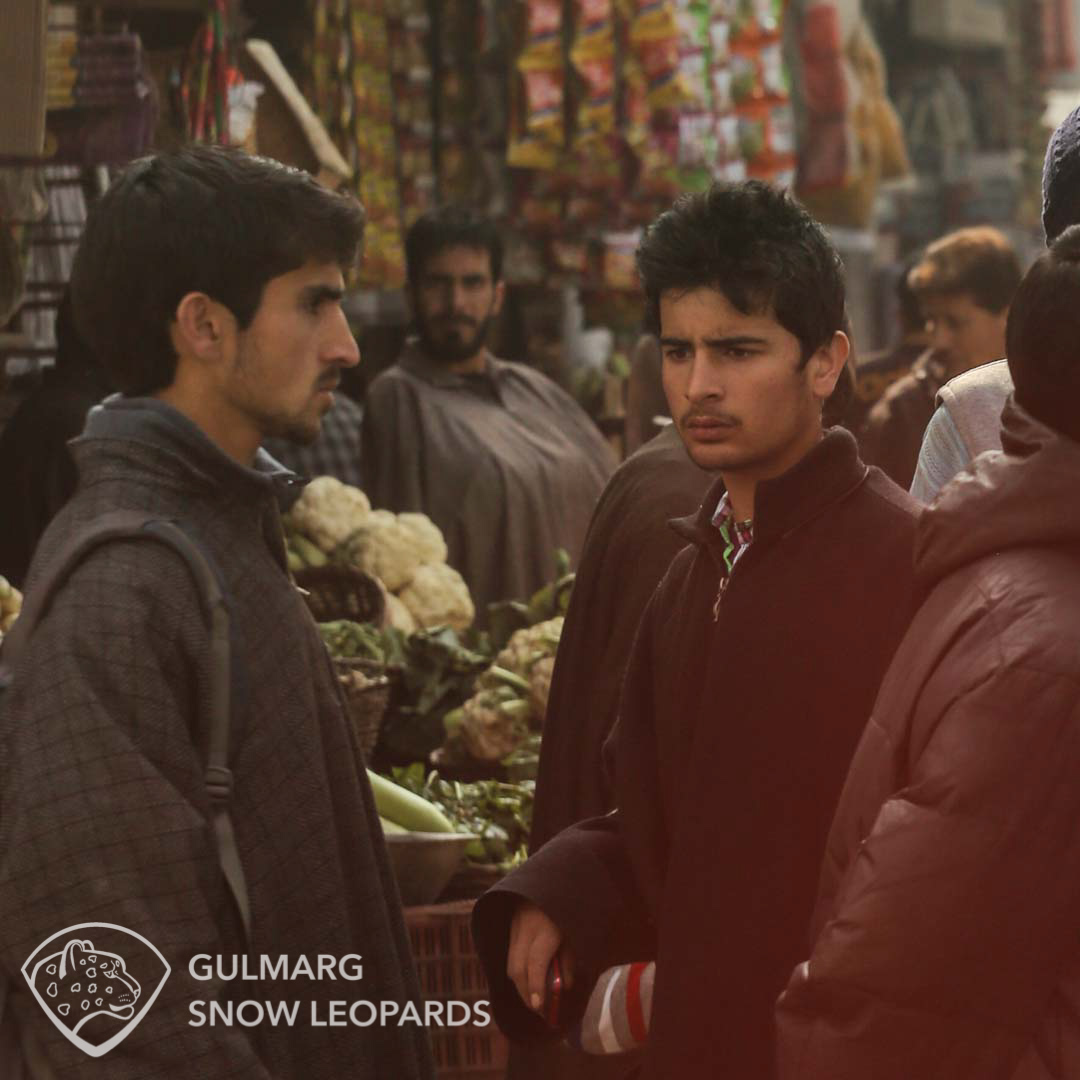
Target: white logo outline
x=75 y=1039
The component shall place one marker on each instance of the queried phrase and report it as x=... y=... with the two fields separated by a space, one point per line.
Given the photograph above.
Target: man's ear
x=827 y=364
x=500 y=293
x=201 y=327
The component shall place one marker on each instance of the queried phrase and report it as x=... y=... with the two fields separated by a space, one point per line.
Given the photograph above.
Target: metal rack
x=51 y=244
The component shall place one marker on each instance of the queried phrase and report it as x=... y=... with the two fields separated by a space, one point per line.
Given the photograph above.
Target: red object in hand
x=553 y=992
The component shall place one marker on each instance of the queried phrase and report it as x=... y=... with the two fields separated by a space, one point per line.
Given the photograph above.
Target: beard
x=452 y=340
x=300 y=428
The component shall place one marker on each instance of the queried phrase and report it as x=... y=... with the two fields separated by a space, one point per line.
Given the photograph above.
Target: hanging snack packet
x=722 y=92
x=720 y=40
x=544 y=103
x=773 y=75
x=654 y=20
x=745 y=78
x=543 y=35
x=726 y=134
x=596 y=114
x=593 y=56
x=635 y=105
x=697 y=143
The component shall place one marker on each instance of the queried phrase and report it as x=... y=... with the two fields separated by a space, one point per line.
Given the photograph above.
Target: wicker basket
x=450 y=970
x=342 y=592
x=365 y=699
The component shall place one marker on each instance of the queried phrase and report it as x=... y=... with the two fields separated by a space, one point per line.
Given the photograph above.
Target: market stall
x=448 y=720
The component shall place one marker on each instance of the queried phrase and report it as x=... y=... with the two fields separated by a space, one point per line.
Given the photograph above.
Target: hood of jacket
x=1027 y=495
x=176 y=452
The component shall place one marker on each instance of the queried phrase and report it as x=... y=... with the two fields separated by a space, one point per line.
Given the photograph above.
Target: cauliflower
x=328 y=512
x=427 y=539
x=529 y=645
x=384 y=548
x=493 y=724
x=10 y=605
x=399 y=616
x=438 y=596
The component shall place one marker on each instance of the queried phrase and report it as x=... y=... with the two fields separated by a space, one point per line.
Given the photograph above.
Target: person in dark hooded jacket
x=209 y=283
x=754 y=668
x=628 y=548
x=947 y=943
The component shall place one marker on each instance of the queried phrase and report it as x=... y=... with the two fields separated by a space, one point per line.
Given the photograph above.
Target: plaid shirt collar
x=738 y=535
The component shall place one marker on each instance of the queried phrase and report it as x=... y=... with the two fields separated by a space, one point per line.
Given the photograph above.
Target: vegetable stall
x=454 y=749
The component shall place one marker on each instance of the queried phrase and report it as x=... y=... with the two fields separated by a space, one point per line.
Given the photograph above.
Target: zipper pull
x=719 y=597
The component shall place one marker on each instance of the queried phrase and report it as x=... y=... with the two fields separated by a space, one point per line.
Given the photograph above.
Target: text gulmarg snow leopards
x=349 y=968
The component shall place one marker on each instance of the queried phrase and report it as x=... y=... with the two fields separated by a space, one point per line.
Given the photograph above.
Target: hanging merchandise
x=574 y=120
x=455 y=136
x=212 y=102
x=204 y=89
x=759 y=95
x=353 y=93
x=619 y=106
x=102 y=106
x=655 y=39
x=409 y=32
x=593 y=57
x=849 y=135
x=537 y=121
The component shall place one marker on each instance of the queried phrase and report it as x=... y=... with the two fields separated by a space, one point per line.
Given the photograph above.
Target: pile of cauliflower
x=511 y=697
x=10 y=605
x=333 y=522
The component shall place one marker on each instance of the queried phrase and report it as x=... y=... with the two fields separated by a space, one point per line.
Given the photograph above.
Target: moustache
x=329 y=382
x=698 y=415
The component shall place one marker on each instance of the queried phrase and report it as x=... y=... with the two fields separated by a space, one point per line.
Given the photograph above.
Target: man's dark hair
x=758 y=247
x=448 y=227
x=978 y=261
x=72 y=353
x=1042 y=334
x=202 y=219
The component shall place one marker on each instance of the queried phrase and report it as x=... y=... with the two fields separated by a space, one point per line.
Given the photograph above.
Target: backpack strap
x=218 y=776
x=133 y=525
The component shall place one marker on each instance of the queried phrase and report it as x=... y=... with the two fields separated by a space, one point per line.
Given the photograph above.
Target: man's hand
x=534 y=940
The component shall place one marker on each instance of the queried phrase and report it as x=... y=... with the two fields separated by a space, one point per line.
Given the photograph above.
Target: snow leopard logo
x=91 y=993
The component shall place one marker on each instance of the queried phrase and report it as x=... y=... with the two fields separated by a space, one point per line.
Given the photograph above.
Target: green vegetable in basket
x=308 y=552
x=498 y=675
x=498 y=815
x=402 y=807
x=391 y=828
x=350 y=639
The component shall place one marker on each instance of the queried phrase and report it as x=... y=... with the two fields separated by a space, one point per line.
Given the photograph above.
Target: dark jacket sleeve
x=587 y=878
x=103 y=813
x=885 y=442
x=951 y=926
